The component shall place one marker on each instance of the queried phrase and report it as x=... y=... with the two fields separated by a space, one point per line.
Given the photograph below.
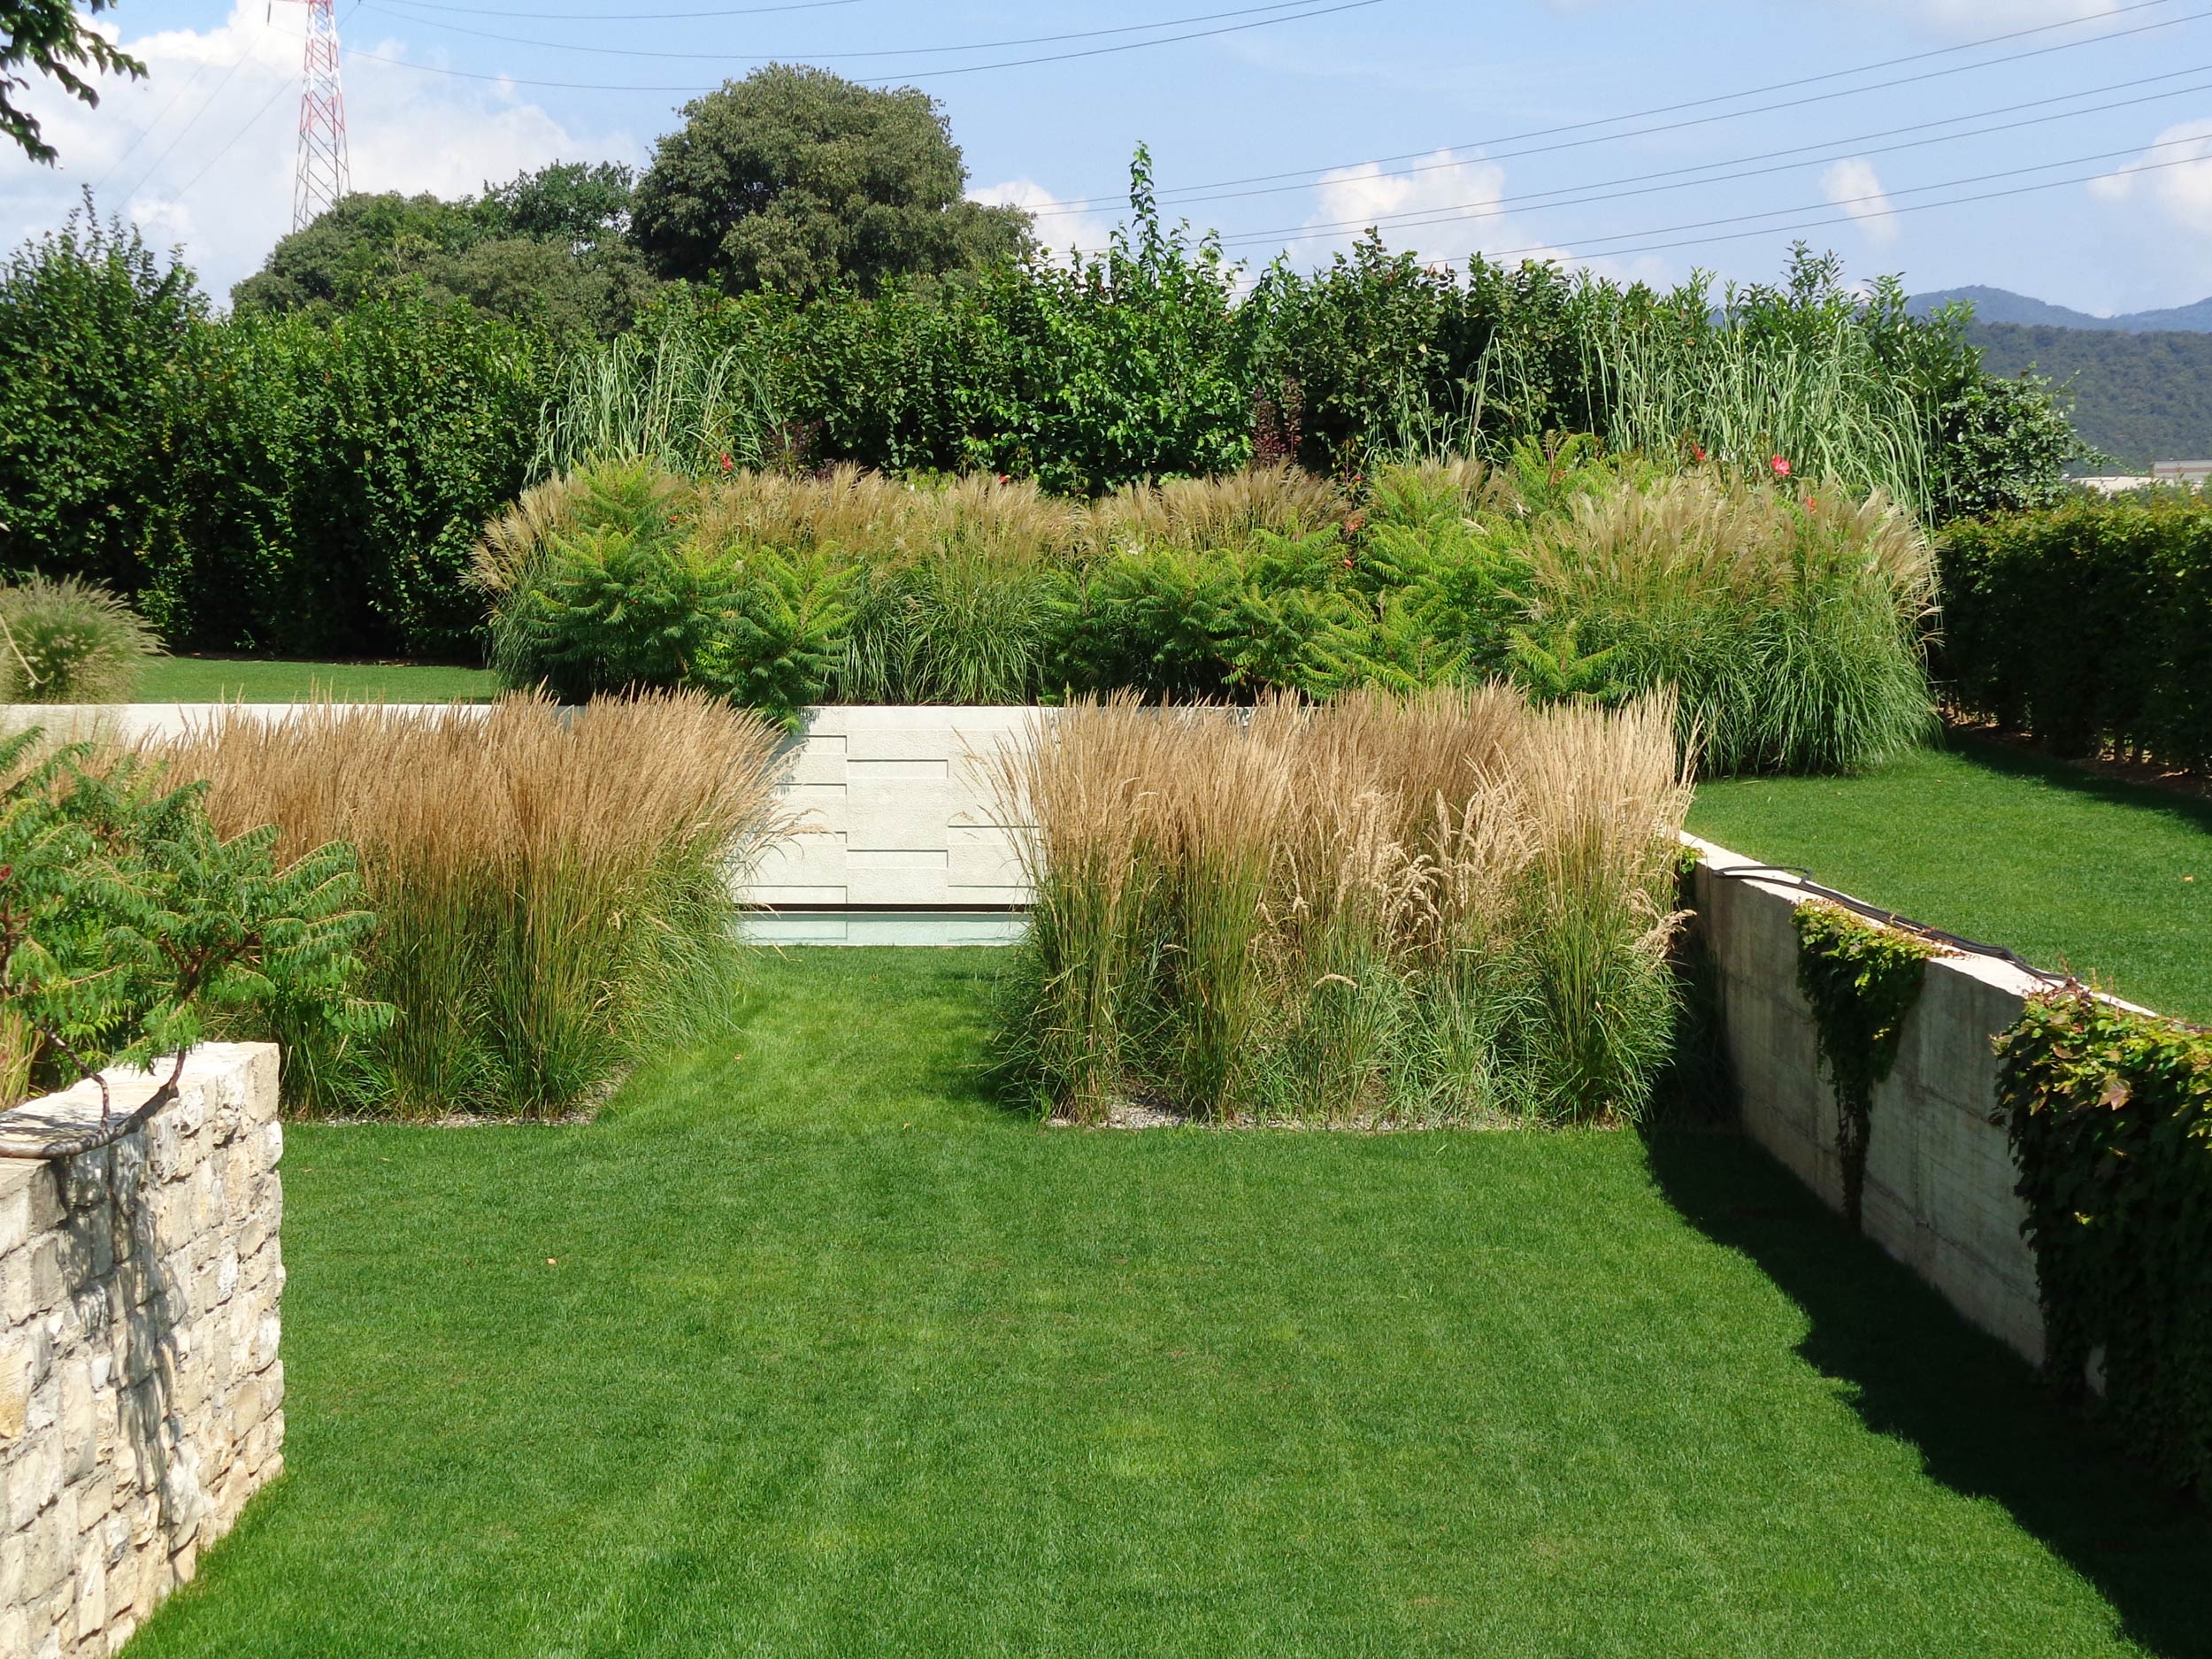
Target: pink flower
x=728 y=465
x=1781 y=467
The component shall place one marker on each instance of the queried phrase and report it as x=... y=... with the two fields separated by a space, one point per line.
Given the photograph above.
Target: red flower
x=1781 y=467
x=1697 y=451
x=728 y=465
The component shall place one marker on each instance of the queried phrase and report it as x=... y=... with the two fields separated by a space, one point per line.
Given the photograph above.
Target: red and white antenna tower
x=323 y=174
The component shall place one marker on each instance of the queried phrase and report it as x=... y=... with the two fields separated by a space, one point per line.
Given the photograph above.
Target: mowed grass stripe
x=834 y=1360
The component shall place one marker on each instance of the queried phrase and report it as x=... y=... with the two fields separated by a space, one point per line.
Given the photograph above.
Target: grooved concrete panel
x=1939 y=1175
x=898 y=807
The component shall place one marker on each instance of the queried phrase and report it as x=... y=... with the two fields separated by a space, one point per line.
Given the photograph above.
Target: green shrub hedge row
x=310 y=484
x=2088 y=625
x=1787 y=623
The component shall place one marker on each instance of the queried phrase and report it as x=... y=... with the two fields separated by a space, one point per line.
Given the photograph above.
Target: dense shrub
x=63 y=639
x=310 y=482
x=1789 y=624
x=553 y=893
x=99 y=342
x=1451 y=909
x=2088 y=625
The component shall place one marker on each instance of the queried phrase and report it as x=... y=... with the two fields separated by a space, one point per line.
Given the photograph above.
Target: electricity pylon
x=323 y=174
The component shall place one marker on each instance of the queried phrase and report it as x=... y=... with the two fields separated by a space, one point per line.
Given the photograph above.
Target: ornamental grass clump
x=553 y=889
x=1446 y=908
x=1793 y=627
x=63 y=639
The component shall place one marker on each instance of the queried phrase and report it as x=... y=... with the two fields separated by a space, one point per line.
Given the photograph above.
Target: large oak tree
x=798 y=180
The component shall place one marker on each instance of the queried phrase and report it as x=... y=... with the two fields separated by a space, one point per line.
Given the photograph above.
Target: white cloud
x=1855 y=186
x=1059 y=226
x=2174 y=175
x=1446 y=207
x=201 y=152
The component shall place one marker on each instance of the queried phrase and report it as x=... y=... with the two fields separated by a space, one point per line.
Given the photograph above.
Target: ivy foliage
x=1860 y=980
x=2110 y=1118
x=128 y=926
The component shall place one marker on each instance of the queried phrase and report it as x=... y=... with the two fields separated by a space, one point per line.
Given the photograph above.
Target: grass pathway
x=2071 y=870
x=804 y=1349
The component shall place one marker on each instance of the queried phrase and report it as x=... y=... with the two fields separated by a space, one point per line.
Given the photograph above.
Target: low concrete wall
x=1940 y=1173
x=141 y=1391
x=898 y=808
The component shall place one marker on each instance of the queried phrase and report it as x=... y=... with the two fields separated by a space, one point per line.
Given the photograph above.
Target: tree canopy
x=798 y=180
x=49 y=36
x=547 y=246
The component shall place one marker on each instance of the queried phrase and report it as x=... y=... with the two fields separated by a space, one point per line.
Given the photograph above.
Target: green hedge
x=2088 y=625
x=292 y=486
x=311 y=483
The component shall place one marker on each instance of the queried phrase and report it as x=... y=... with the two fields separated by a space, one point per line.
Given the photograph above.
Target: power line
x=627 y=17
x=1880 y=201
x=1228 y=187
x=167 y=150
x=1910 y=207
x=162 y=115
x=924 y=74
x=1839 y=149
x=811 y=57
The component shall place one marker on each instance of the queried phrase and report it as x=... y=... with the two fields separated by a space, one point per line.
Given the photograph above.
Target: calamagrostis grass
x=553 y=889
x=1441 y=908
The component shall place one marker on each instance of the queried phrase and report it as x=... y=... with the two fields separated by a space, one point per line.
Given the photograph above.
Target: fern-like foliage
x=127 y=926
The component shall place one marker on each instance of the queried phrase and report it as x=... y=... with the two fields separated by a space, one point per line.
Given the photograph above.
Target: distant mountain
x=2002 y=306
x=2138 y=397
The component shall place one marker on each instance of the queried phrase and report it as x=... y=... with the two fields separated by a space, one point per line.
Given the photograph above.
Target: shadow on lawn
x=1983 y=1424
x=2014 y=761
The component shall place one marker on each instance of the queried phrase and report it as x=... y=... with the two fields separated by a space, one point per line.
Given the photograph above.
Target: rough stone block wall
x=1940 y=1173
x=141 y=1390
x=897 y=807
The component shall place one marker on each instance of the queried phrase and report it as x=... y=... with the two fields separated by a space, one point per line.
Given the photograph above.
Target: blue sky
x=1642 y=137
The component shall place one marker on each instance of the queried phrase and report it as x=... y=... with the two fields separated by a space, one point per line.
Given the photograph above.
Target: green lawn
x=803 y=1348
x=2069 y=869
x=220 y=679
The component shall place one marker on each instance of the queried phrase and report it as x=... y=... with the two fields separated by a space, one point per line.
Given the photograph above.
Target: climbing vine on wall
x=2110 y=1115
x=1861 y=980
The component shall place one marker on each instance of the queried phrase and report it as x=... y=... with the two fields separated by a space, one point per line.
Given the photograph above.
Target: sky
x=1644 y=139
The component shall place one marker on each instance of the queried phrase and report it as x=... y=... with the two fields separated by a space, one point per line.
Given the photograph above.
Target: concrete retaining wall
x=1940 y=1173
x=898 y=808
x=141 y=1391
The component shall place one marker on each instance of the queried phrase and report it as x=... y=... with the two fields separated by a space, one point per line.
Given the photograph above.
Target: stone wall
x=1940 y=1173
x=141 y=1390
